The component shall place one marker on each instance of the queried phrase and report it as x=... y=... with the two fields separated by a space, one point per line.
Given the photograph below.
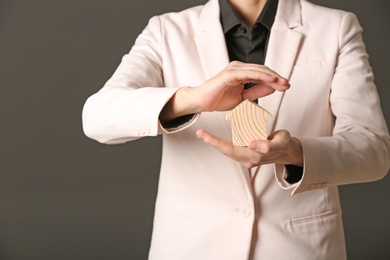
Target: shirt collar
x=230 y=20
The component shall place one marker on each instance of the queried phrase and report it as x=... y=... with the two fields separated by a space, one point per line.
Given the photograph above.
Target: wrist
x=180 y=104
x=187 y=101
x=296 y=152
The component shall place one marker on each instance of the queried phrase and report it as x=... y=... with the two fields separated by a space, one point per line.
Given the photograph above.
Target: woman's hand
x=225 y=90
x=280 y=148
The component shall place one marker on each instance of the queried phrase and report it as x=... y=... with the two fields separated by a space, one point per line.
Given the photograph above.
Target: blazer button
x=244 y=211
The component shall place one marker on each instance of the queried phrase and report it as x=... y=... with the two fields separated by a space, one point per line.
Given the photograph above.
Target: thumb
x=261 y=146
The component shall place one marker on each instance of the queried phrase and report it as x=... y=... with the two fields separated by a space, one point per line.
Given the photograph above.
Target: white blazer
x=209 y=207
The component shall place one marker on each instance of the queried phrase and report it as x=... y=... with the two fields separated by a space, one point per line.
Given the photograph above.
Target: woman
x=219 y=201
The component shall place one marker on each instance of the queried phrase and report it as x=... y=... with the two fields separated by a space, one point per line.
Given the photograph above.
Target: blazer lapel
x=283 y=47
x=214 y=56
x=210 y=40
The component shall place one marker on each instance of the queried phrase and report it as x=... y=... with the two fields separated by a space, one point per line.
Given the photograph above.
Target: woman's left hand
x=280 y=148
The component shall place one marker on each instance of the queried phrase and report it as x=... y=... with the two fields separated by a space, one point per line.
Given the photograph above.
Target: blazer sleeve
x=359 y=149
x=129 y=104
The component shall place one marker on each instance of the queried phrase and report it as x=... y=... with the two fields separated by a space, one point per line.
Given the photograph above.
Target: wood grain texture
x=249 y=122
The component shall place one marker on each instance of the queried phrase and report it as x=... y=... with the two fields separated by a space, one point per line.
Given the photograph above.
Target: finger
x=243 y=155
x=260 y=146
x=254 y=66
x=256 y=92
x=273 y=76
x=277 y=142
x=280 y=84
x=262 y=90
x=235 y=77
x=242 y=76
x=220 y=144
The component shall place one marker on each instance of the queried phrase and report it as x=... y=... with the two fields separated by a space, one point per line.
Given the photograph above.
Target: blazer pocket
x=314 y=234
x=316 y=218
x=176 y=213
x=315 y=228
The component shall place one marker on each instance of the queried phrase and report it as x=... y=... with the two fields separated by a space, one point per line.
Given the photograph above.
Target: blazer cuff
x=177 y=124
x=281 y=175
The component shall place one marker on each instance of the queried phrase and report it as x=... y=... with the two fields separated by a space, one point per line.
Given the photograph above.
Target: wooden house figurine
x=248 y=123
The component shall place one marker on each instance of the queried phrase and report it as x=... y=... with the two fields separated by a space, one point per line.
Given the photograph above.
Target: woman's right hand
x=225 y=90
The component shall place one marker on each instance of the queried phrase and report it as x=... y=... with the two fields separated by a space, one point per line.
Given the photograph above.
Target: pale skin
x=226 y=90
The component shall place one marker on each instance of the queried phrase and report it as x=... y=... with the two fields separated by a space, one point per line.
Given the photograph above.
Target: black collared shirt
x=243 y=43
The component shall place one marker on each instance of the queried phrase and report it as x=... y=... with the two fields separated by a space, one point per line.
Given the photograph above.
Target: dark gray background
x=63 y=196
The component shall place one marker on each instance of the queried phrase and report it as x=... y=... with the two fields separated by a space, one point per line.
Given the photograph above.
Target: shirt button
x=243 y=29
